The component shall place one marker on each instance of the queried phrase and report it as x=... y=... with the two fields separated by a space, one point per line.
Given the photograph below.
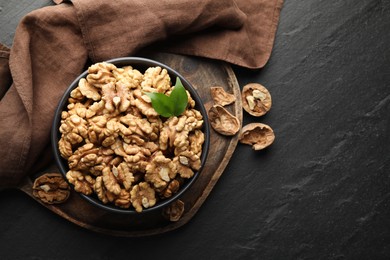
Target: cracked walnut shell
x=223 y=121
x=258 y=135
x=256 y=99
x=51 y=188
x=221 y=97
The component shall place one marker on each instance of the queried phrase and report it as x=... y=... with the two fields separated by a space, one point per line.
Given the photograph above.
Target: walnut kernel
x=174 y=211
x=142 y=196
x=51 y=188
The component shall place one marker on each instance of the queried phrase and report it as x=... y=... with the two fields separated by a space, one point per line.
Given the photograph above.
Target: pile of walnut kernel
x=116 y=144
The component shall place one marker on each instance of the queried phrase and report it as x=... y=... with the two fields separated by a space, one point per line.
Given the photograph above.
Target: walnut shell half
x=256 y=99
x=221 y=97
x=223 y=121
x=258 y=135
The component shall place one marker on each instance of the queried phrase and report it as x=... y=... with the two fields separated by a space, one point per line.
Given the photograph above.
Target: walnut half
x=142 y=196
x=256 y=99
x=51 y=188
x=258 y=135
x=223 y=121
x=221 y=97
x=174 y=211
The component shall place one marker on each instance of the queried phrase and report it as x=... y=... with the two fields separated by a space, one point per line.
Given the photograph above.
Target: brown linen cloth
x=53 y=44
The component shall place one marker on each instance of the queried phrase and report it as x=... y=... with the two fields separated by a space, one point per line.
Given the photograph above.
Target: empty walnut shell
x=51 y=188
x=223 y=121
x=256 y=99
x=221 y=97
x=258 y=135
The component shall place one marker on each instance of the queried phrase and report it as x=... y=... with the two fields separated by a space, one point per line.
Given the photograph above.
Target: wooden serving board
x=202 y=74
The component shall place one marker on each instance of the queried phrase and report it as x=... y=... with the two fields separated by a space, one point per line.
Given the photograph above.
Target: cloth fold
x=138 y=23
x=53 y=44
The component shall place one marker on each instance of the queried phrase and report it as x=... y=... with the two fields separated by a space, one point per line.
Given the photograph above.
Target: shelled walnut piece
x=174 y=211
x=118 y=147
x=258 y=135
x=51 y=188
x=256 y=99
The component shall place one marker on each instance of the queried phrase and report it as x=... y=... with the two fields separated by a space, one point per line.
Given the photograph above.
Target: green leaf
x=162 y=104
x=179 y=98
x=173 y=105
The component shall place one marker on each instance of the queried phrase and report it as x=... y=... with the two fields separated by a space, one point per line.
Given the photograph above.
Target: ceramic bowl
x=140 y=64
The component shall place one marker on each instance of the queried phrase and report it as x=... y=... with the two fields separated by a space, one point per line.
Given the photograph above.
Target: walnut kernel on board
x=174 y=211
x=221 y=97
x=258 y=135
x=256 y=99
x=51 y=188
x=223 y=121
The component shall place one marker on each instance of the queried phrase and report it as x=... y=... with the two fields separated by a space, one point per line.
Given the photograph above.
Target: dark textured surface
x=321 y=191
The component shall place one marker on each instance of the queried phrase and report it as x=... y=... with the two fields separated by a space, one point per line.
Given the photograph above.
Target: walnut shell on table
x=221 y=97
x=258 y=135
x=223 y=121
x=256 y=99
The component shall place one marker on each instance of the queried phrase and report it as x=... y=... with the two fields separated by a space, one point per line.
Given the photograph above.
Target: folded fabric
x=53 y=44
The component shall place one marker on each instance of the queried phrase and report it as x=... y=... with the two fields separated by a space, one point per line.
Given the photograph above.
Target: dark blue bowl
x=140 y=64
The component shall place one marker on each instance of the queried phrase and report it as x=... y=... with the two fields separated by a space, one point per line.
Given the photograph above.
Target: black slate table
x=321 y=191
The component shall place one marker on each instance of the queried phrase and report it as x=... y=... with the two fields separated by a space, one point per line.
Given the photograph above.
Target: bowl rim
x=119 y=62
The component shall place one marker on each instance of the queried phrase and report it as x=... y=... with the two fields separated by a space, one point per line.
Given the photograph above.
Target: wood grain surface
x=202 y=74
